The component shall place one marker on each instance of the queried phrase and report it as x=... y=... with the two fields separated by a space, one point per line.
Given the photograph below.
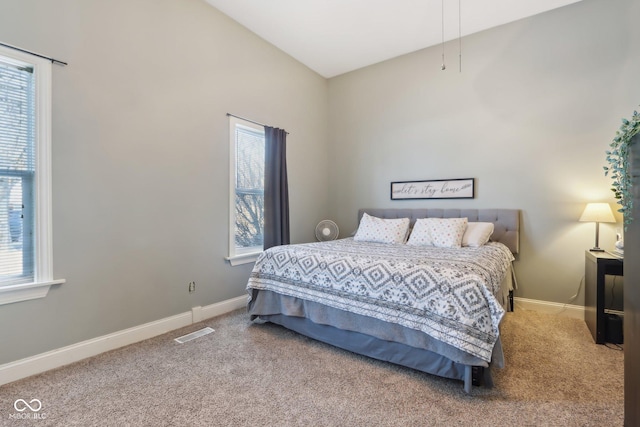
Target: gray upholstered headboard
x=506 y=222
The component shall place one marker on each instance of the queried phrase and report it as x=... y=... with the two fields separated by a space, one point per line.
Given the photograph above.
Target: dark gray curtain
x=276 y=188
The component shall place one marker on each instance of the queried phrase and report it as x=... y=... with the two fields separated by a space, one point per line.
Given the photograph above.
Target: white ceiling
x=336 y=36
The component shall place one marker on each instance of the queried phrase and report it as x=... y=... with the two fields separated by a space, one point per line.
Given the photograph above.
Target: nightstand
x=596 y=266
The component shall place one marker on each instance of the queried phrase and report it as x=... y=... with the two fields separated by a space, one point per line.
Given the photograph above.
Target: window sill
x=243 y=258
x=26 y=291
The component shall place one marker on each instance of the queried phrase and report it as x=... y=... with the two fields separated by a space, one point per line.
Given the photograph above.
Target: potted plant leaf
x=619 y=168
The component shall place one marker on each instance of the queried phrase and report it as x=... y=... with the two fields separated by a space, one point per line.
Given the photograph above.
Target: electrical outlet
x=192 y=287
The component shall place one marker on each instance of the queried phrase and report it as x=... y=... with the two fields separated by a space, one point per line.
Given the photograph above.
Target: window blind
x=250 y=159
x=17 y=170
x=249 y=204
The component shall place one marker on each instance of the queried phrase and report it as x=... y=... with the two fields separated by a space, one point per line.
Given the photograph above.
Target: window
x=25 y=182
x=246 y=210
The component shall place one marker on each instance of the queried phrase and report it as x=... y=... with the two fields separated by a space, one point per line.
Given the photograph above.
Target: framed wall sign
x=433 y=189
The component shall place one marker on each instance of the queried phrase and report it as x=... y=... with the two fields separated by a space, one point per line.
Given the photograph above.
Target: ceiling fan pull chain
x=444 y=67
x=460 y=35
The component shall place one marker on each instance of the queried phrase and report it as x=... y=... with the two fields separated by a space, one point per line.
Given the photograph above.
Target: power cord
x=616 y=347
x=613 y=294
x=564 y=307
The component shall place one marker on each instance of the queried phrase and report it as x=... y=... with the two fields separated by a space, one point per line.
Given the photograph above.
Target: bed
x=434 y=309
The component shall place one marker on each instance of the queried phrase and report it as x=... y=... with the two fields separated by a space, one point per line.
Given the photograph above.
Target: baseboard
x=29 y=366
x=566 y=310
x=213 y=310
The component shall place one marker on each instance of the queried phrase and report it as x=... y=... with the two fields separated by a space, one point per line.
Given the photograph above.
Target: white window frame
x=238 y=256
x=43 y=248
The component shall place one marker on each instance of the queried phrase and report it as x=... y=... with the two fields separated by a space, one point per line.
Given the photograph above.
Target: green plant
x=618 y=159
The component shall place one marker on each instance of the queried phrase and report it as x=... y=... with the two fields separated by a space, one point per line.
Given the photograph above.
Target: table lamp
x=597 y=212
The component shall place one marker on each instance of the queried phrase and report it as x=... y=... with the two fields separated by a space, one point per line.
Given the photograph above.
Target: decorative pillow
x=373 y=229
x=420 y=234
x=439 y=232
x=477 y=234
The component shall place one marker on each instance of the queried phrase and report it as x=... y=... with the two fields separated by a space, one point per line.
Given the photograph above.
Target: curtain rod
x=53 y=61
x=251 y=121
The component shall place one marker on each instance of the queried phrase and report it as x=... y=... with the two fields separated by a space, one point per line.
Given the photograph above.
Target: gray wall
x=140 y=158
x=530 y=117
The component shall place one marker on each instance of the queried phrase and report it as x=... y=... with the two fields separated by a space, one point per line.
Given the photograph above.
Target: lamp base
x=596 y=249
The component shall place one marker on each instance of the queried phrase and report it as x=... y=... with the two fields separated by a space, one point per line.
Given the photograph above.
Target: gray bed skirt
x=373 y=338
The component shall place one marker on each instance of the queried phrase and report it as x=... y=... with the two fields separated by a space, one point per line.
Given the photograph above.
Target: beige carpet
x=264 y=375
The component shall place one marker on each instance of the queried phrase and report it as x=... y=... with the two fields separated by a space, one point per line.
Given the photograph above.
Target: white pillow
x=373 y=229
x=420 y=234
x=477 y=234
x=438 y=232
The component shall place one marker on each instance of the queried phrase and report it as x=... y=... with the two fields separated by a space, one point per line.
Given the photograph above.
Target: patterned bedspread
x=445 y=293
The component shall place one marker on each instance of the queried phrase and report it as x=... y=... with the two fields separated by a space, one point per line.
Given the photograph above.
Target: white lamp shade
x=597 y=212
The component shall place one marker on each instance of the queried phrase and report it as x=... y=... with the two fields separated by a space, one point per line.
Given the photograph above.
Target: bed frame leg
x=511 y=300
x=467 y=379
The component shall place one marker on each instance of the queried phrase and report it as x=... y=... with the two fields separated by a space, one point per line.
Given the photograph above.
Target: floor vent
x=193 y=335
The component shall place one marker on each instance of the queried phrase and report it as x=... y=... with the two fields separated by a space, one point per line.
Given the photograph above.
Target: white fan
x=327 y=230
